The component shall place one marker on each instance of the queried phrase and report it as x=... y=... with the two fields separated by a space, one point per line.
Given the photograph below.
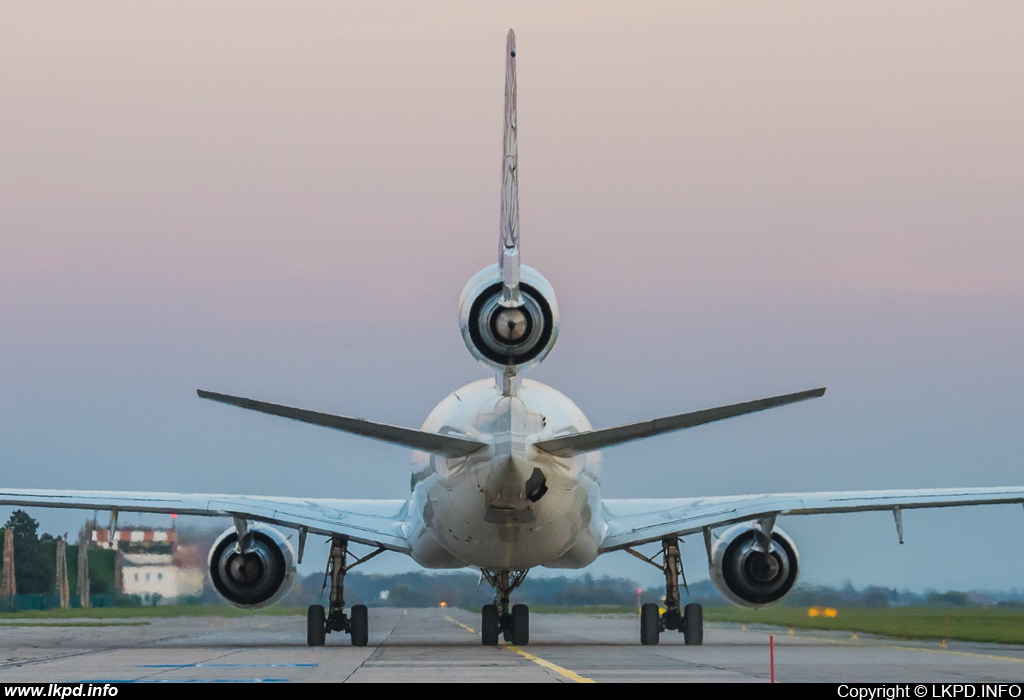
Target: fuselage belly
x=479 y=510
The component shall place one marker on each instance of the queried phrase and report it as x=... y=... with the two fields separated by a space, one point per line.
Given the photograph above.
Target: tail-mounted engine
x=258 y=575
x=748 y=575
x=503 y=336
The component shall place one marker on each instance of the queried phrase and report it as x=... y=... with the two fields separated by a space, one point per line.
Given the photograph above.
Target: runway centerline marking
x=564 y=672
x=571 y=675
x=465 y=627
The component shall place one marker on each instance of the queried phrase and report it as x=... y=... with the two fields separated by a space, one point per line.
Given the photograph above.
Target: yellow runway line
x=975 y=654
x=564 y=672
x=465 y=627
x=958 y=653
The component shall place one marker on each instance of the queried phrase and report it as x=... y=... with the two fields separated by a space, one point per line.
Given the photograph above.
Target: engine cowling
x=258 y=576
x=749 y=577
x=501 y=337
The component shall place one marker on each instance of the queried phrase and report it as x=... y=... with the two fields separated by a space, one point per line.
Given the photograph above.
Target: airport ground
x=443 y=645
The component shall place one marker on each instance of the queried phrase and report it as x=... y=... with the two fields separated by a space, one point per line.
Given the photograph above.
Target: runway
x=443 y=645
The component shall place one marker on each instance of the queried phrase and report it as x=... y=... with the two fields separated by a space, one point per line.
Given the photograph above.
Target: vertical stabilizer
x=508 y=254
x=507 y=312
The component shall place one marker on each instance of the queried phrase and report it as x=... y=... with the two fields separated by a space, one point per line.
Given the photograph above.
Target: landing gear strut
x=497 y=619
x=320 y=622
x=689 y=620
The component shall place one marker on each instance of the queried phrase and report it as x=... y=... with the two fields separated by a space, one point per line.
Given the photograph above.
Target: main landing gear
x=497 y=619
x=320 y=622
x=689 y=620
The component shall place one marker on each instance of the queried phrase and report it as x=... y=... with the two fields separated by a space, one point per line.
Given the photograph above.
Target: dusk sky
x=732 y=200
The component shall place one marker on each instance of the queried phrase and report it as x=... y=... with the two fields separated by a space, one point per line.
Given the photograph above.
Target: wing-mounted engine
x=750 y=574
x=506 y=335
x=258 y=573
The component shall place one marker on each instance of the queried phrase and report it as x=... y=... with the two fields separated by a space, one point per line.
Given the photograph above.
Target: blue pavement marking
x=228 y=665
x=185 y=680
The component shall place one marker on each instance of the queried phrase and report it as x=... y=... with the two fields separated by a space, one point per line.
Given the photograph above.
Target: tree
x=35 y=560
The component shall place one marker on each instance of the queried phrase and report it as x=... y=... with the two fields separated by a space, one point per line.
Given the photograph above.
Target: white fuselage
x=474 y=511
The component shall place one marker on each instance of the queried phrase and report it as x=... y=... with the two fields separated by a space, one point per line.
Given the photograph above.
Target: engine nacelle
x=501 y=337
x=747 y=576
x=258 y=576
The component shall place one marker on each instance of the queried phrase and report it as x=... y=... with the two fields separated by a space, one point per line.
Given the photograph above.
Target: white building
x=149 y=575
x=148 y=563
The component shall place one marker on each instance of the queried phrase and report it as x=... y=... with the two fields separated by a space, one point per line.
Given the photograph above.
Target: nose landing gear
x=689 y=620
x=497 y=619
x=320 y=622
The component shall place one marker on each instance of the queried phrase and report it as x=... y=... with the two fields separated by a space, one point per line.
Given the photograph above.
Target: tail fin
x=508 y=253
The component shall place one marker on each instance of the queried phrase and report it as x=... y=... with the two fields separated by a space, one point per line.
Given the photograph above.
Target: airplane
x=506 y=478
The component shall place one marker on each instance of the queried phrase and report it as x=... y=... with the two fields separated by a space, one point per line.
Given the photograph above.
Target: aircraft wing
x=634 y=521
x=373 y=522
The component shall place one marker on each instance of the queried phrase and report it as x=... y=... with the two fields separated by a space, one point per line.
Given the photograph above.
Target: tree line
x=35 y=560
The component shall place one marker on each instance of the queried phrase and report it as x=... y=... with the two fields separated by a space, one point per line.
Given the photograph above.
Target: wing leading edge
x=373 y=522
x=634 y=521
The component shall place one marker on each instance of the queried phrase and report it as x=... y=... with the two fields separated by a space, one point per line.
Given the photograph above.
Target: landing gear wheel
x=316 y=626
x=693 y=625
x=650 y=624
x=360 y=626
x=489 y=626
x=520 y=625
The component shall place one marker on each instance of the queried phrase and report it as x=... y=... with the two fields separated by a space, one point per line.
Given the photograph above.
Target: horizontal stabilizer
x=590 y=441
x=446 y=445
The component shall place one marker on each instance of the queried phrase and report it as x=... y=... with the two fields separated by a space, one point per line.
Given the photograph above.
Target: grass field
x=581 y=609
x=148 y=612
x=72 y=623
x=966 y=624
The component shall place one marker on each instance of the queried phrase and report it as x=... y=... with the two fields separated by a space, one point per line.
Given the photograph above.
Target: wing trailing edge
x=636 y=521
x=447 y=445
x=592 y=440
x=377 y=523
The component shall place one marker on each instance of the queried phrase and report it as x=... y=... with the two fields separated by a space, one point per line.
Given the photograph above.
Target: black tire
x=693 y=625
x=359 y=626
x=316 y=626
x=520 y=625
x=650 y=624
x=489 y=627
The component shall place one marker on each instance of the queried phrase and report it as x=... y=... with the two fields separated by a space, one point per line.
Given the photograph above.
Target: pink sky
x=731 y=199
